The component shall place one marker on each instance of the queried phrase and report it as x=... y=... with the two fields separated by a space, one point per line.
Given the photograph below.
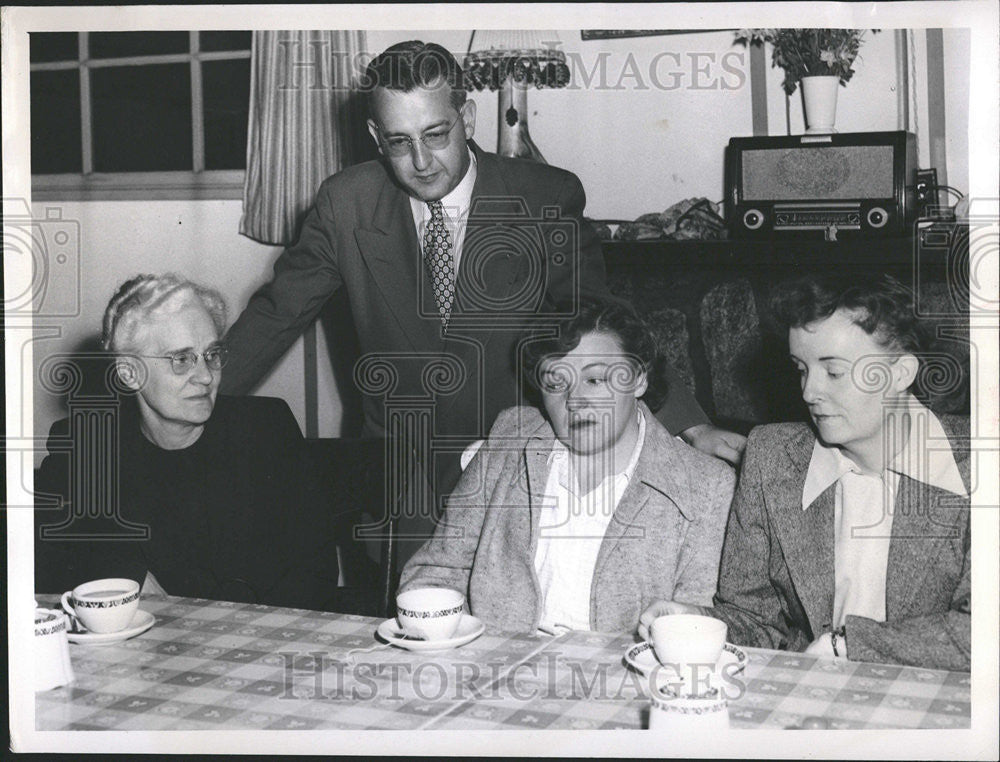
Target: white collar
x=935 y=467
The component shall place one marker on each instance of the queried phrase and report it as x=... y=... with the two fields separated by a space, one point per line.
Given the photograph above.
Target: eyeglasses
x=182 y=362
x=435 y=140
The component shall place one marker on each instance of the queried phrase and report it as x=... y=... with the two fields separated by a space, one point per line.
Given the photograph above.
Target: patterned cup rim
x=670 y=702
x=48 y=622
x=101 y=603
x=430 y=614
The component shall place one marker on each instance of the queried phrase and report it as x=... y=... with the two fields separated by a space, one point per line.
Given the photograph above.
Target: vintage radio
x=851 y=185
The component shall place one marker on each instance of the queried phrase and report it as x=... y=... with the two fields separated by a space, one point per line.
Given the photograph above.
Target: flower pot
x=819 y=103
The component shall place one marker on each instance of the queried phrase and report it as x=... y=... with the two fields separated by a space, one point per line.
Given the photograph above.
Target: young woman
x=850 y=537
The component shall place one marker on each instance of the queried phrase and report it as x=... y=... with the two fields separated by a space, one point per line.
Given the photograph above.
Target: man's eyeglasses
x=435 y=140
x=182 y=362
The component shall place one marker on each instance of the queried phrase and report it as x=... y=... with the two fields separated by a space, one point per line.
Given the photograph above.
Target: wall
x=868 y=103
x=643 y=121
x=123 y=238
x=957 y=64
x=643 y=135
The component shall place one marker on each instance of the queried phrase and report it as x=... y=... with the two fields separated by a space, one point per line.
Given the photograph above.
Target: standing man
x=447 y=253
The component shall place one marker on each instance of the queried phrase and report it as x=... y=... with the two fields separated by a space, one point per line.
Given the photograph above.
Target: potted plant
x=818 y=58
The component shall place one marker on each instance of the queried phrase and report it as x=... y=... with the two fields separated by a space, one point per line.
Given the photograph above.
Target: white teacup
x=52 y=663
x=430 y=613
x=688 y=641
x=104 y=605
x=669 y=711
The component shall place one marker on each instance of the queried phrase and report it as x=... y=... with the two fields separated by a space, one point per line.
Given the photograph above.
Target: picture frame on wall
x=621 y=34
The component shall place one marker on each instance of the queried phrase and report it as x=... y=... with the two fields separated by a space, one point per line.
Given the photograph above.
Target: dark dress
x=236 y=516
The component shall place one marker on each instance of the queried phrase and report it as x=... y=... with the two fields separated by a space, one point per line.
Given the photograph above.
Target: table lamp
x=512 y=61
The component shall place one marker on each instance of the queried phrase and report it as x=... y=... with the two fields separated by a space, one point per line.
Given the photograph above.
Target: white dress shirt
x=456 y=210
x=571 y=530
x=863 y=504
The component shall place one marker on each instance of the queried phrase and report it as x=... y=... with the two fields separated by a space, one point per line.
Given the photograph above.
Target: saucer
x=469 y=628
x=642 y=659
x=141 y=622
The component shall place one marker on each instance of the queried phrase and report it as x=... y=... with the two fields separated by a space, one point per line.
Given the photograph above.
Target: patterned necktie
x=440 y=263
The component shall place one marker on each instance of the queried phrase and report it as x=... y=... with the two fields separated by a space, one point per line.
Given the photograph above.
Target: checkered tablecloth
x=217 y=665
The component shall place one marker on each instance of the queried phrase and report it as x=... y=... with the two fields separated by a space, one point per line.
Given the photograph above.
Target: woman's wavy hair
x=611 y=317
x=137 y=297
x=882 y=307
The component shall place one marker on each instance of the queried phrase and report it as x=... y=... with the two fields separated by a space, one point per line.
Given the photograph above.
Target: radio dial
x=753 y=219
x=877 y=216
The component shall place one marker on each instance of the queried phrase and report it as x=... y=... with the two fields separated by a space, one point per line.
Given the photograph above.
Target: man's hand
x=660 y=608
x=717 y=442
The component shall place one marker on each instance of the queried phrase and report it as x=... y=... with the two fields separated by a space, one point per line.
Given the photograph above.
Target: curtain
x=303 y=125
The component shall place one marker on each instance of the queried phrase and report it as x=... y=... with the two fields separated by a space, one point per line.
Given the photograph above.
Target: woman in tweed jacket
x=850 y=538
x=581 y=516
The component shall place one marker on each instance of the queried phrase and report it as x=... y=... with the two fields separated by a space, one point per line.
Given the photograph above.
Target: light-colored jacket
x=776 y=588
x=663 y=542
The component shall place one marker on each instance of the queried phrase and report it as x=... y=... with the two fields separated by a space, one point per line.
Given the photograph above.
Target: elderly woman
x=850 y=538
x=579 y=515
x=218 y=482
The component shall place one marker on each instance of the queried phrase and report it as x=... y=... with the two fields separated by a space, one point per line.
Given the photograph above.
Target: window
x=139 y=114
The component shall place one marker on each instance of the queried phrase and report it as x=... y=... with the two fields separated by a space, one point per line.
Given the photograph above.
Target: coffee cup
x=104 y=605
x=688 y=641
x=52 y=663
x=430 y=613
x=686 y=714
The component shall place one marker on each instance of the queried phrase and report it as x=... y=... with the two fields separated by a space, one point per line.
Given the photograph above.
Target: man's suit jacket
x=776 y=581
x=663 y=541
x=526 y=247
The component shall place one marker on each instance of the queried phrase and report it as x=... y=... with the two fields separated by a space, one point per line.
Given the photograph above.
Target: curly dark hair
x=408 y=65
x=608 y=316
x=882 y=307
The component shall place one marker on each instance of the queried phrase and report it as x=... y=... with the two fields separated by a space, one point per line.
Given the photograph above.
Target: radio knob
x=753 y=219
x=877 y=217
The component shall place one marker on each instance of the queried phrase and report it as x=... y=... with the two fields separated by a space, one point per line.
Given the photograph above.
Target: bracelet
x=838 y=633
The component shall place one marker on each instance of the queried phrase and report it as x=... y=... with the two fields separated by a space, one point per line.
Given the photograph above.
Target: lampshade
x=530 y=56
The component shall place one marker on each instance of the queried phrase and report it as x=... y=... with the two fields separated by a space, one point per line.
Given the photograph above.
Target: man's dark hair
x=408 y=65
x=611 y=317
x=882 y=307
